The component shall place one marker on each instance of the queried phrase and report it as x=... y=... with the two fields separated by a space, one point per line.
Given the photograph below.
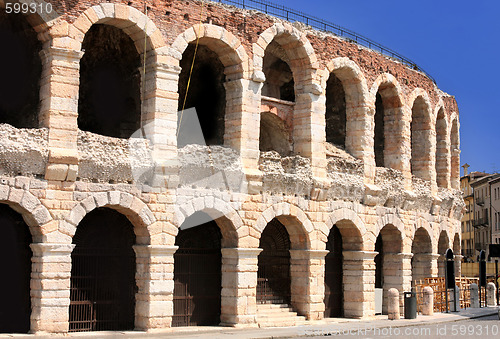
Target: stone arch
x=133 y=22
x=307 y=109
x=132 y=207
x=34 y=213
x=231 y=55
x=226 y=217
x=351 y=227
x=455 y=151
x=443 y=159
x=442 y=247
x=421 y=132
x=356 y=96
x=390 y=123
x=421 y=223
x=423 y=261
x=296 y=222
x=388 y=219
x=231 y=52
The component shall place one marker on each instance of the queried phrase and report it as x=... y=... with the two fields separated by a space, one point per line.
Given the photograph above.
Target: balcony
x=480 y=222
x=479 y=201
x=479 y=246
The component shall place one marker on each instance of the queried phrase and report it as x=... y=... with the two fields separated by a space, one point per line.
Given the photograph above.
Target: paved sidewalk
x=315 y=328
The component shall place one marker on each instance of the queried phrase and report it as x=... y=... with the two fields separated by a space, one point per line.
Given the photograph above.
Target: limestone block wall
x=67 y=173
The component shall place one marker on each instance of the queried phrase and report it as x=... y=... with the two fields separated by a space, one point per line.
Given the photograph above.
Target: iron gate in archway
x=334 y=287
x=273 y=275
x=103 y=273
x=15 y=261
x=197 y=276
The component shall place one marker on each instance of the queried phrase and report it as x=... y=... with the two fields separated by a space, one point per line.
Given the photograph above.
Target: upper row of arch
x=301 y=53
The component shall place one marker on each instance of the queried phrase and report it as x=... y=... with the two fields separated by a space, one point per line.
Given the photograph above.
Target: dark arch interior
x=279 y=77
x=197 y=273
x=15 y=261
x=109 y=100
x=379 y=260
x=274 y=135
x=273 y=275
x=206 y=93
x=20 y=71
x=379 y=137
x=103 y=273
x=335 y=111
x=334 y=287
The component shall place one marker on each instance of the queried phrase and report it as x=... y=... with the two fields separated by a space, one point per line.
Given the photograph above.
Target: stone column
x=154 y=306
x=359 y=284
x=425 y=265
x=159 y=115
x=359 y=135
x=307 y=270
x=458 y=265
x=242 y=126
x=59 y=88
x=239 y=286
x=50 y=287
x=397 y=274
x=441 y=263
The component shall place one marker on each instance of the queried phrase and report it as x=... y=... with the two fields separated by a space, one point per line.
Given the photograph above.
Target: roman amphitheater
x=326 y=172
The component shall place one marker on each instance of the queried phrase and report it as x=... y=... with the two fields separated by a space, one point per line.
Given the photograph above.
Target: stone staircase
x=278 y=315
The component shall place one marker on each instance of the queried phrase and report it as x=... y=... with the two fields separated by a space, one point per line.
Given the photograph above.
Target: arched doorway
x=197 y=273
x=334 y=275
x=109 y=100
x=273 y=275
x=15 y=260
x=421 y=263
x=103 y=273
x=20 y=80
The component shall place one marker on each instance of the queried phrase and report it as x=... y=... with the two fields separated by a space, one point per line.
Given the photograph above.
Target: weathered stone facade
x=56 y=174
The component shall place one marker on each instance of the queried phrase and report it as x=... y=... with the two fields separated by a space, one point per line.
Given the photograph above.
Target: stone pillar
x=239 y=286
x=359 y=135
x=491 y=293
x=397 y=274
x=59 y=88
x=424 y=266
x=50 y=287
x=428 y=301
x=159 y=106
x=441 y=263
x=159 y=115
x=474 y=296
x=154 y=305
x=242 y=127
x=309 y=129
x=359 y=284
x=458 y=265
x=307 y=270
x=393 y=304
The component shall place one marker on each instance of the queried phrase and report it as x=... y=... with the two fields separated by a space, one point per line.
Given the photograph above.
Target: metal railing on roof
x=323 y=25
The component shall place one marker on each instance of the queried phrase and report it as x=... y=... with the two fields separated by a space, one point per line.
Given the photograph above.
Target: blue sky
x=457 y=42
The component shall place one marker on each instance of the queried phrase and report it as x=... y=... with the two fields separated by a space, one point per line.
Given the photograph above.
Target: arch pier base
x=50 y=287
x=359 y=282
x=307 y=269
x=239 y=283
x=155 y=282
x=397 y=274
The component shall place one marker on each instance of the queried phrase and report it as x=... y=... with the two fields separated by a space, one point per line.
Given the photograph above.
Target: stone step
x=278 y=315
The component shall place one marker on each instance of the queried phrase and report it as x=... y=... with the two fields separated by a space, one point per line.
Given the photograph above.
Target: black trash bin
x=410 y=305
